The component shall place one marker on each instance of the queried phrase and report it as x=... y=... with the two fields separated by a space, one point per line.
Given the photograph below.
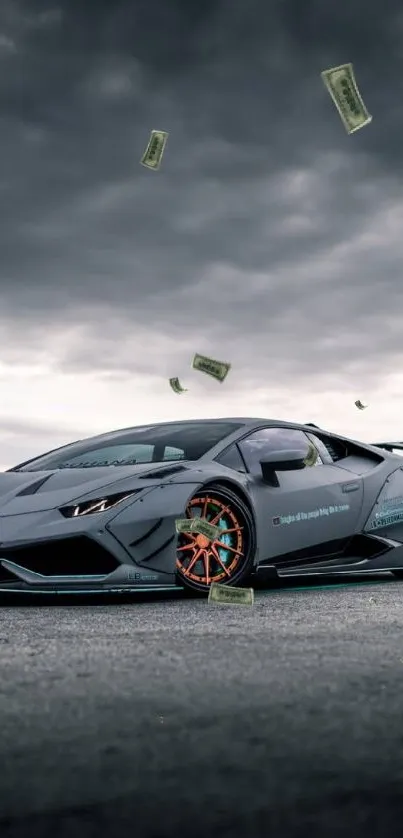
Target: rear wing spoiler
x=388 y=446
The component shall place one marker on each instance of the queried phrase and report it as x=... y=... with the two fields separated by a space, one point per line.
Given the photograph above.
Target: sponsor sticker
x=323 y=511
x=139 y=577
x=390 y=511
x=386 y=520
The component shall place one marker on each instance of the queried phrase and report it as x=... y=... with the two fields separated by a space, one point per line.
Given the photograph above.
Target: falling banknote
x=217 y=369
x=222 y=595
x=343 y=89
x=360 y=405
x=155 y=149
x=203 y=527
x=198 y=525
x=183 y=525
x=176 y=386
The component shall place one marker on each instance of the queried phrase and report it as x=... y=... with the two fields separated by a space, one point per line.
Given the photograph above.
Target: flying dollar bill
x=217 y=369
x=153 y=154
x=360 y=405
x=203 y=527
x=343 y=89
x=223 y=595
x=183 y=525
x=176 y=386
x=199 y=526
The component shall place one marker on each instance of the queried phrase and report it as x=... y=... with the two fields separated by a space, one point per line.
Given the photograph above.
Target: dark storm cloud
x=252 y=241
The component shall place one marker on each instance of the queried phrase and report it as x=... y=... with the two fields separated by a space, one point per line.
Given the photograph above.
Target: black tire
x=239 y=547
x=398 y=574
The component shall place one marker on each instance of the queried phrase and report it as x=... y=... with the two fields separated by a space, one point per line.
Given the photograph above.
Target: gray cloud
x=15 y=427
x=269 y=237
x=20 y=440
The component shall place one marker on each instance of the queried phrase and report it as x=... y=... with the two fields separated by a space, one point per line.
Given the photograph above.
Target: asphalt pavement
x=172 y=717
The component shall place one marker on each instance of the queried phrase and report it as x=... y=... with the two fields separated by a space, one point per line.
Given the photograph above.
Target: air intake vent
x=6 y=576
x=163 y=472
x=67 y=557
x=33 y=487
x=335 y=448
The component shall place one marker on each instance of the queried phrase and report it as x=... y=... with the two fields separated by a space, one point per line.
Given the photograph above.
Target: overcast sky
x=269 y=238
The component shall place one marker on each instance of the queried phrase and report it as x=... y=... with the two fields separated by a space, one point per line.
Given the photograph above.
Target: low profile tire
x=227 y=560
x=398 y=574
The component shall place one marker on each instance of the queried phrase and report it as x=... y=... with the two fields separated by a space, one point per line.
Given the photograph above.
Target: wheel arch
x=211 y=485
x=227 y=483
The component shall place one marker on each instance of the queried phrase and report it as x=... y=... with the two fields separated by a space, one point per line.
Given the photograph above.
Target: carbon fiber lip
x=129 y=589
x=56 y=578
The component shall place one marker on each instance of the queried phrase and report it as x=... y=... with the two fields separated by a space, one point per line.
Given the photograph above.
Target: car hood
x=22 y=492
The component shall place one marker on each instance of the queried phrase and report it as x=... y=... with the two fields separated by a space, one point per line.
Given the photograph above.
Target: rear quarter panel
x=384 y=506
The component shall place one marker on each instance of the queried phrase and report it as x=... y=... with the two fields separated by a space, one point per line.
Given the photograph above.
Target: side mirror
x=281 y=461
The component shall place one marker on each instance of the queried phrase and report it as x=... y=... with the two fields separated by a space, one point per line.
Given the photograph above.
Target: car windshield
x=157 y=444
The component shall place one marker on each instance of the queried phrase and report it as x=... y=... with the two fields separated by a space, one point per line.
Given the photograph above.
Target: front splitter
x=127 y=589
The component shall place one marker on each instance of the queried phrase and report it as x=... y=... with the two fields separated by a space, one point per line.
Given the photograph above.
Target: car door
x=311 y=506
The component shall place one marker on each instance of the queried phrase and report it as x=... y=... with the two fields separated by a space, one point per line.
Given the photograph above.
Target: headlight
x=89 y=507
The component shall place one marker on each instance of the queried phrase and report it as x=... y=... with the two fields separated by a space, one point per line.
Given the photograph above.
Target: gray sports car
x=288 y=500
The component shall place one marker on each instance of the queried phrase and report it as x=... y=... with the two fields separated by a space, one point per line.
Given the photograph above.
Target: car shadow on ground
x=330 y=581
x=29 y=600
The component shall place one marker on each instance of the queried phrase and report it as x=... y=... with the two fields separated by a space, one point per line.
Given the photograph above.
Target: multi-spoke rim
x=203 y=561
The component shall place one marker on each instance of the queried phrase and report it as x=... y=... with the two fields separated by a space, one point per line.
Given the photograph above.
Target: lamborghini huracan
x=285 y=500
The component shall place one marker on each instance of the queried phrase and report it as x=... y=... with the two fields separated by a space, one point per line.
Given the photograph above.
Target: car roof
x=243 y=421
x=239 y=420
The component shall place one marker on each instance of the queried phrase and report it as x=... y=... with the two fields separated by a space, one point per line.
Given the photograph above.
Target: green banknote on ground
x=153 y=154
x=343 y=89
x=223 y=595
x=176 y=386
x=217 y=369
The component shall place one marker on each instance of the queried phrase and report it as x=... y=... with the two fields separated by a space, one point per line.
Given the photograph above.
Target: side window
x=323 y=453
x=232 y=459
x=141 y=453
x=171 y=453
x=265 y=441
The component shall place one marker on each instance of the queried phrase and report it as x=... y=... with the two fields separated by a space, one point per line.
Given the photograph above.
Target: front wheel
x=229 y=558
